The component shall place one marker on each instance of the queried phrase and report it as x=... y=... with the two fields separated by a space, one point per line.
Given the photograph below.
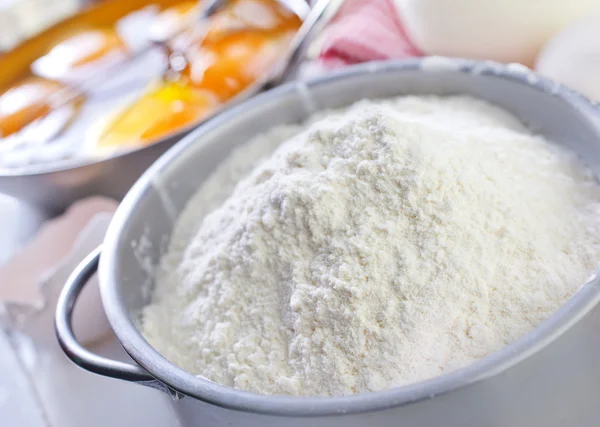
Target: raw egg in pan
x=242 y=15
x=31 y=100
x=243 y=42
x=171 y=20
x=79 y=56
x=231 y=64
x=165 y=107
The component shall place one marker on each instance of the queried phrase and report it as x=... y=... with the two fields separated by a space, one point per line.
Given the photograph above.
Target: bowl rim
x=495 y=363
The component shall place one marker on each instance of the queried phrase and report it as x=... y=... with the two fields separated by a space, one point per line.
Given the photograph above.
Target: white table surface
x=40 y=387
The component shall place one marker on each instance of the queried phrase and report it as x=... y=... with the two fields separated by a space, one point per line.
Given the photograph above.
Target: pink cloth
x=365 y=30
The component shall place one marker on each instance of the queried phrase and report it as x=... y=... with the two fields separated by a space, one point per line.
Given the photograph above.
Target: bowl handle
x=76 y=352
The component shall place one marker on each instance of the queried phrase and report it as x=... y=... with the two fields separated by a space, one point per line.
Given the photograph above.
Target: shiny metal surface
x=79 y=354
x=52 y=187
x=66 y=335
x=314 y=22
x=550 y=377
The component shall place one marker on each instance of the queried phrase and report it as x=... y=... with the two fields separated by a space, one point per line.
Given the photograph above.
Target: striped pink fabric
x=365 y=30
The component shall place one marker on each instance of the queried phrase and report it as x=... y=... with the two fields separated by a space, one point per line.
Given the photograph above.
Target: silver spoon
x=318 y=17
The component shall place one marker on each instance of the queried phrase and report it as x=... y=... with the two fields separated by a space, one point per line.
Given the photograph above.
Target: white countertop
x=40 y=387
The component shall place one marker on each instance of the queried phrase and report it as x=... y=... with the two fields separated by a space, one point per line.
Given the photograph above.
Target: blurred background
x=23 y=19
x=92 y=92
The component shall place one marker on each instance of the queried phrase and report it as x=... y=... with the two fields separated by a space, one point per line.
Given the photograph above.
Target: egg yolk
x=170 y=105
x=172 y=20
x=24 y=103
x=232 y=64
x=242 y=42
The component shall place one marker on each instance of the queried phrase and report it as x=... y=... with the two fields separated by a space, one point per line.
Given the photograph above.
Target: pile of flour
x=371 y=247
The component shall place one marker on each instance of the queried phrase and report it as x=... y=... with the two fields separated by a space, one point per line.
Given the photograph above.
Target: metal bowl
x=550 y=377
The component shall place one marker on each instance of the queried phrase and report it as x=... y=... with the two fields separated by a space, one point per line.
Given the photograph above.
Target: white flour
x=386 y=244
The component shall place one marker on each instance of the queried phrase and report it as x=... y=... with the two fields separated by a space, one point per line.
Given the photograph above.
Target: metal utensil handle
x=209 y=8
x=318 y=17
x=80 y=355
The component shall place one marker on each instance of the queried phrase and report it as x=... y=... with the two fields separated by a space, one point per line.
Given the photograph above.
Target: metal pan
x=53 y=186
x=550 y=377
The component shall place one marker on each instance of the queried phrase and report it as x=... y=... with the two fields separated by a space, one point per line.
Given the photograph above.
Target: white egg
x=501 y=30
x=573 y=57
